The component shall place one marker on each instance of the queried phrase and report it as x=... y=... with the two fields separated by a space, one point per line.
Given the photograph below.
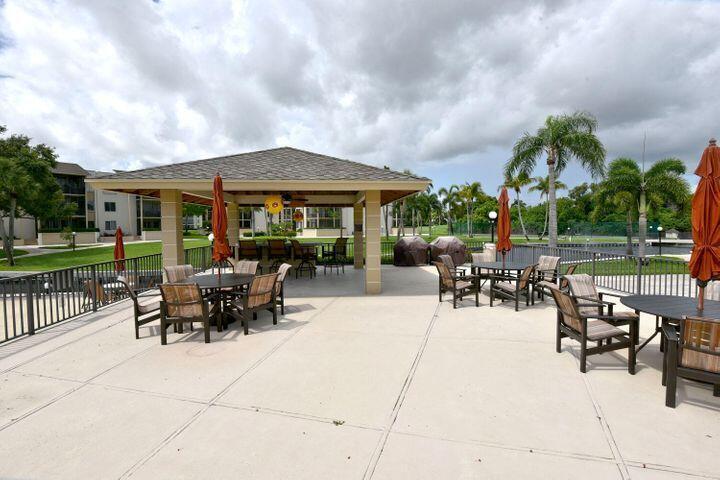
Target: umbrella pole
x=701 y=298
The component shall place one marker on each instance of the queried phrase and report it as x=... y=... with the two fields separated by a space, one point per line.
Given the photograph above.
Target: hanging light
x=298 y=215
x=274 y=204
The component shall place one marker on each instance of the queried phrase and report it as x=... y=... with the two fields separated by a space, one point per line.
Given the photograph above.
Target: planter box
x=56 y=238
x=151 y=235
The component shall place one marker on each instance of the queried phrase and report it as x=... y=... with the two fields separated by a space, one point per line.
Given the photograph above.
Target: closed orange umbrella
x=705 y=258
x=221 y=249
x=503 y=226
x=119 y=251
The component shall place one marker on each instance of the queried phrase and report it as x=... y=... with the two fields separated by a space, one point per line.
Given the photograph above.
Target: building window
x=246 y=217
x=325 y=217
x=110 y=225
x=110 y=207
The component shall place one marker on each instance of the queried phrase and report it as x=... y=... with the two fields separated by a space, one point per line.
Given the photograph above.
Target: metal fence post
x=30 y=307
x=93 y=287
x=594 y=259
x=638 y=287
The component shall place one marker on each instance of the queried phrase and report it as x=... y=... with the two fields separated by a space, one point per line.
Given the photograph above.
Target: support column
x=372 y=238
x=173 y=252
x=359 y=251
x=233 y=232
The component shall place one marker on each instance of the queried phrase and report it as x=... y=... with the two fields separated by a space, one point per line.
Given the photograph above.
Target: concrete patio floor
x=346 y=386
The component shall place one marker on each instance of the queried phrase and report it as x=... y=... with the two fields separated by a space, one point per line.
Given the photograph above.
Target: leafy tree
x=192 y=210
x=542 y=185
x=450 y=202
x=562 y=138
x=517 y=183
x=27 y=186
x=469 y=194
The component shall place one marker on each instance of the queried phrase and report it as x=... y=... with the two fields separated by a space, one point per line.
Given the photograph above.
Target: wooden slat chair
x=177 y=273
x=693 y=354
x=513 y=287
x=261 y=295
x=277 y=253
x=183 y=303
x=543 y=286
x=146 y=306
x=545 y=271
x=573 y=324
x=458 y=285
x=307 y=256
x=280 y=286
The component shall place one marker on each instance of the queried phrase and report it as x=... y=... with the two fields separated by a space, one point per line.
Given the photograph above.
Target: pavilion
x=302 y=178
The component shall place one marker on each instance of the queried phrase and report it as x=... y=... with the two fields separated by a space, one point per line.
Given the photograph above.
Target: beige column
x=358 y=234
x=372 y=240
x=173 y=252
x=233 y=233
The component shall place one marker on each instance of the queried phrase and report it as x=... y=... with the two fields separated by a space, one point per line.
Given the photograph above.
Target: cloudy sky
x=443 y=88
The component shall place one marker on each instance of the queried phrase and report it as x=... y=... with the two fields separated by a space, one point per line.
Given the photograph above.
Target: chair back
x=182 y=300
x=276 y=248
x=525 y=276
x=448 y=261
x=297 y=248
x=247 y=267
x=248 y=249
x=282 y=271
x=487 y=255
x=445 y=275
x=570 y=271
x=581 y=285
x=341 y=246
x=700 y=344
x=547 y=263
x=89 y=286
x=261 y=290
x=567 y=308
x=177 y=273
x=125 y=283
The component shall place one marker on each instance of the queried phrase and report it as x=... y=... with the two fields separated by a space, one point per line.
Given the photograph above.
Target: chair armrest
x=593 y=301
x=669 y=333
x=497 y=276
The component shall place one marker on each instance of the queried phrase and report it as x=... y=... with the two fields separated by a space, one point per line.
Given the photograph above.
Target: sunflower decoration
x=298 y=215
x=274 y=204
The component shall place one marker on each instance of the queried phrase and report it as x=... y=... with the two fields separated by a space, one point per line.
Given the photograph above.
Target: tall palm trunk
x=547 y=212
x=642 y=224
x=522 y=224
x=386 y=210
x=8 y=238
x=467 y=210
x=629 y=232
x=552 y=202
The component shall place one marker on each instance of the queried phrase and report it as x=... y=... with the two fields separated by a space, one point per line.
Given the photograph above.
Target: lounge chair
x=693 y=354
x=576 y=325
x=458 y=285
x=183 y=303
x=512 y=287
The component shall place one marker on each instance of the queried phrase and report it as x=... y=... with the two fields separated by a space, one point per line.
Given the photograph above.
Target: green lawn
x=654 y=266
x=65 y=247
x=15 y=251
x=65 y=259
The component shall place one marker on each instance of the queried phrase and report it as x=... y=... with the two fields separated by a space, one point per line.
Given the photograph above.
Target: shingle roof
x=283 y=163
x=63 y=168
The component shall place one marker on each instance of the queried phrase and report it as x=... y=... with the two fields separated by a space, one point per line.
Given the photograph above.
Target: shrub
x=257 y=234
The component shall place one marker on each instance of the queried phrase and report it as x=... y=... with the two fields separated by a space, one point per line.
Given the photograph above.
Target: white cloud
x=407 y=84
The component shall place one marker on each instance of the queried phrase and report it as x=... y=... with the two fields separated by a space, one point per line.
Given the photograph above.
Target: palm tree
x=620 y=191
x=542 y=185
x=517 y=183
x=561 y=138
x=662 y=183
x=469 y=193
x=449 y=203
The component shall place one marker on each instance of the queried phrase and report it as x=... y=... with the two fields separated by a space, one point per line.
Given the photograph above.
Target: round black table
x=502 y=266
x=669 y=308
x=220 y=285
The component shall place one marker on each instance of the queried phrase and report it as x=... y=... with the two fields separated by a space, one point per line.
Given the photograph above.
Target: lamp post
x=660 y=230
x=73 y=235
x=492 y=215
x=211 y=238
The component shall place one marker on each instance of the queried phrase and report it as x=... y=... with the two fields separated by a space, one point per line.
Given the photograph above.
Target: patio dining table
x=670 y=309
x=220 y=286
x=497 y=266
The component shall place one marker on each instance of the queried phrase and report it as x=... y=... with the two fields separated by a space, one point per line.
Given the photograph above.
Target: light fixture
x=660 y=229
x=492 y=214
x=211 y=237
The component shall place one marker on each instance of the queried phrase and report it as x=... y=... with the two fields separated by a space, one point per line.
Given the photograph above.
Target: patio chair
x=146 y=306
x=693 y=354
x=177 y=273
x=277 y=252
x=246 y=267
x=261 y=295
x=249 y=250
x=483 y=273
x=450 y=263
x=280 y=286
x=591 y=302
x=183 y=303
x=335 y=256
x=458 y=285
x=573 y=324
x=543 y=286
x=512 y=287
x=93 y=290
x=307 y=255
x=546 y=271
